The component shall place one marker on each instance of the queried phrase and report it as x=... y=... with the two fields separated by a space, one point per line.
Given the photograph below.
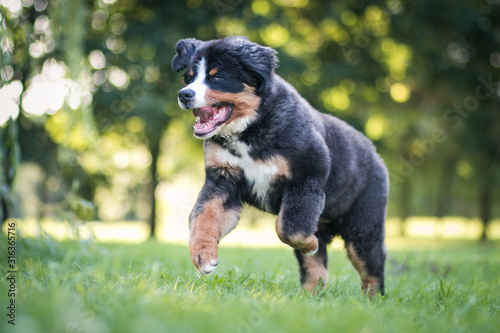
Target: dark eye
x=187 y=79
x=215 y=78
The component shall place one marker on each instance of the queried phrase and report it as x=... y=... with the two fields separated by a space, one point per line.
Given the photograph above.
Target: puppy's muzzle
x=186 y=96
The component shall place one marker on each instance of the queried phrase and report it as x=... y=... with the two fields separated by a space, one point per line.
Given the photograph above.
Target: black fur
x=185 y=49
x=339 y=185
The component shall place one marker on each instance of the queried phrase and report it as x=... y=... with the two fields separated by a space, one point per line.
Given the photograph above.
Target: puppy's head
x=224 y=80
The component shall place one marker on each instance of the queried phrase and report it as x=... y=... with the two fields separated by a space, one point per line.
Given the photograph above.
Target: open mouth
x=209 y=117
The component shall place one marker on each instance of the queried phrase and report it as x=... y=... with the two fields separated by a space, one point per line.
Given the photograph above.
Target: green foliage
x=410 y=74
x=153 y=287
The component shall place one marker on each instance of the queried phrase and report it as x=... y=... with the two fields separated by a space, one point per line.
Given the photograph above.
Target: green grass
x=152 y=287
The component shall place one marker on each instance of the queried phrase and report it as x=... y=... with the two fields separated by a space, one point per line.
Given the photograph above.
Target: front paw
x=204 y=257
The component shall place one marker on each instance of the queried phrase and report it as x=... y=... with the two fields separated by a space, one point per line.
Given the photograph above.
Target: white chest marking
x=257 y=172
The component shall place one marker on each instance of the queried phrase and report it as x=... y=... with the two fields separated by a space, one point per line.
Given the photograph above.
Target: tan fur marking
x=213 y=71
x=358 y=264
x=191 y=73
x=208 y=227
x=213 y=160
x=302 y=243
x=306 y=244
x=282 y=164
x=215 y=220
x=245 y=102
x=369 y=283
x=315 y=271
x=279 y=225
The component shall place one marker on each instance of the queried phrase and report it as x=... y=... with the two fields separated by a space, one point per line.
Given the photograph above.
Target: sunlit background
x=94 y=145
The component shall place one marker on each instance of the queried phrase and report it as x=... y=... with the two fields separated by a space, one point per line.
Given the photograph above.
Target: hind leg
x=314 y=268
x=297 y=226
x=368 y=260
x=363 y=232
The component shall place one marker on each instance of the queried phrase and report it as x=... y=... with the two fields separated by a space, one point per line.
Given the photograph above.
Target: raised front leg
x=313 y=269
x=296 y=226
x=213 y=217
x=299 y=215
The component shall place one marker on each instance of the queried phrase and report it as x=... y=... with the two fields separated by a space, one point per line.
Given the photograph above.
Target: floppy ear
x=185 y=49
x=260 y=61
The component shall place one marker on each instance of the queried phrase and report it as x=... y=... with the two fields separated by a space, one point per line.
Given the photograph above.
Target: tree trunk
x=446 y=180
x=155 y=152
x=3 y=212
x=405 y=189
x=10 y=155
x=485 y=183
x=485 y=210
x=404 y=205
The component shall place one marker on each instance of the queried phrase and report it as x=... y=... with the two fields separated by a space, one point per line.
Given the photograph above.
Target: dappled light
x=400 y=92
x=107 y=109
x=275 y=35
x=9 y=99
x=100 y=169
x=375 y=127
x=47 y=91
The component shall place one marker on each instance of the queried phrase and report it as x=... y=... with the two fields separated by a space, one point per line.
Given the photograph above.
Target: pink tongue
x=206 y=113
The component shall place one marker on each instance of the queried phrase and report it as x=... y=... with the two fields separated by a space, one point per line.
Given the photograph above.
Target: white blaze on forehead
x=198 y=85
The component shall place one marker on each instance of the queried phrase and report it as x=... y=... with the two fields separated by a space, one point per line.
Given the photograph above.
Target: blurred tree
x=9 y=144
x=29 y=42
x=135 y=42
x=455 y=70
x=419 y=78
x=9 y=161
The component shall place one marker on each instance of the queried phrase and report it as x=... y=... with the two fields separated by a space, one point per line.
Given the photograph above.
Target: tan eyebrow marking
x=213 y=71
x=191 y=72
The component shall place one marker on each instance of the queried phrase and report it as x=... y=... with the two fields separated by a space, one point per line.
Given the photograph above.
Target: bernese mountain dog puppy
x=267 y=147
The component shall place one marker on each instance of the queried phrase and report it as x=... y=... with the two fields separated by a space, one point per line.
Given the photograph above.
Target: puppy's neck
x=229 y=138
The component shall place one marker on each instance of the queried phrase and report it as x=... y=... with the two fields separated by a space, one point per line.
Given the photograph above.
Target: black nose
x=186 y=95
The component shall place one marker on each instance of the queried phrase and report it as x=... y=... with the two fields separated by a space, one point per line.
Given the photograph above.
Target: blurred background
x=90 y=129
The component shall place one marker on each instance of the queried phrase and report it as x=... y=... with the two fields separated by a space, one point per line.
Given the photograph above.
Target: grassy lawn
x=152 y=287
